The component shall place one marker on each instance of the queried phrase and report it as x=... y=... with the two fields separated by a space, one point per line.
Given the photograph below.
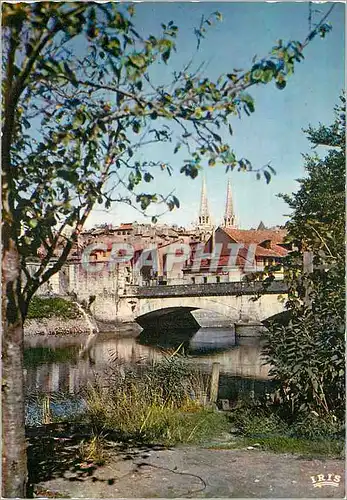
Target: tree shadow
x=54 y=452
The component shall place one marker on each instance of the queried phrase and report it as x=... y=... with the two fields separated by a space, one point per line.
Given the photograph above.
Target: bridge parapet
x=207 y=289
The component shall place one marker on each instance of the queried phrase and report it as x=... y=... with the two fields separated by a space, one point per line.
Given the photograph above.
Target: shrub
x=255 y=422
x=53 y=306
x=272 y=421
x=307 y=355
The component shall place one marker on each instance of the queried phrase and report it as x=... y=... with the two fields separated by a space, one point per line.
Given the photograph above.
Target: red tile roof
x=242 y=256
x=274 y=251
x=255 y=236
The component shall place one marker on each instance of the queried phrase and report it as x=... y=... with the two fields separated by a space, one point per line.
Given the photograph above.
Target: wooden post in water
x=214 y=383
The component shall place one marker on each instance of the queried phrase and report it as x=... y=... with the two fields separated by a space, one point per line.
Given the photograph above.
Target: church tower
x=229 y=215
x=204 y=214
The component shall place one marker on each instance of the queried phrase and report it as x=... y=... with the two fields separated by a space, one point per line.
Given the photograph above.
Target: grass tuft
x=162 y=403
x=305 y=448
x=310 y=437
x=93 y=450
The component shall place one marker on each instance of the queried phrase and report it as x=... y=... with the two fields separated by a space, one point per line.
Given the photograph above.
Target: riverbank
x=58 y=326
x=58 y=316
x=121 y=444
x=55 y=326
x=204 y=471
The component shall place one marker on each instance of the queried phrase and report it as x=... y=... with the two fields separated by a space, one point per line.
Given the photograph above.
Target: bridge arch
x=158 y=306
x=234 y=308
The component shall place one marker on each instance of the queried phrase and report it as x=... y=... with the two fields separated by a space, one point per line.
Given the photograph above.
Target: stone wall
x=117 y=301
x=55 y=326
x=210 y=289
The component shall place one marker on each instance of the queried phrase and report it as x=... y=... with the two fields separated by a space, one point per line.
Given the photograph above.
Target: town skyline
x=215 y=220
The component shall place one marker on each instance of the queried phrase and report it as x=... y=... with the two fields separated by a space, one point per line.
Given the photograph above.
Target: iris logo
x=320 y=480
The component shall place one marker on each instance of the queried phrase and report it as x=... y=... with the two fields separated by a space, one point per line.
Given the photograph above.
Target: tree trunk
x=14 y=459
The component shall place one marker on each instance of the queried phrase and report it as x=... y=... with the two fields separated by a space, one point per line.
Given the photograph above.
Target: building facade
x=169 y=255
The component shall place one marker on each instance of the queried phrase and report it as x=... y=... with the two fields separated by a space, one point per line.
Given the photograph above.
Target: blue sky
x=274 y=131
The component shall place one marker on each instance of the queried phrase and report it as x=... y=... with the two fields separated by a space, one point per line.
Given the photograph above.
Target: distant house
x=270 y=243
x=257 y=249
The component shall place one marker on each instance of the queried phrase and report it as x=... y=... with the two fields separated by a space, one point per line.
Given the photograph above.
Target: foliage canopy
x=80 y=103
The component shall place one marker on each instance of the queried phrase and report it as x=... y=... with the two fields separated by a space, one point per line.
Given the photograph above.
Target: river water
x=53 y=366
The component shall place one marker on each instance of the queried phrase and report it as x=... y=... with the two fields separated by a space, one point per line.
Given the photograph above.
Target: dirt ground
x=195 y=472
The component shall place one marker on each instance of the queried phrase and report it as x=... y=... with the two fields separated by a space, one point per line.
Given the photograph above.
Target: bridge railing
x=230 y=288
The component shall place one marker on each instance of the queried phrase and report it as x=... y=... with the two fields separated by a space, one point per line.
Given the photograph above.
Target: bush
x=312 y=426
x=256 y=422
x=272 y=421
x=307 y=355
x=53 y=306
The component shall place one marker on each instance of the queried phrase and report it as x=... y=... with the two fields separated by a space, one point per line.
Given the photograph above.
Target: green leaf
x=177 y=147
x=166 y=55
x=68 y=175
x=257 y=74
x=33 y=223
x=138 y=60
x=77 y=122
x=148 y=177
x=217 y=137
x=267 y=76
x=272 y=170
x=26 y=123
x=112 y=46
x=281 y=84
x=176 y=201
x=267 y=176
x=136 y=127
x=71 y=75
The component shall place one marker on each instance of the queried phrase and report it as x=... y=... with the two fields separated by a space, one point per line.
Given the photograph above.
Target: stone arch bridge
x=173 y=305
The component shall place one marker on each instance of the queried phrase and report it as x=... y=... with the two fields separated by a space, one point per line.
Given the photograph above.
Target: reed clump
x=93 y=450
x=164 y=402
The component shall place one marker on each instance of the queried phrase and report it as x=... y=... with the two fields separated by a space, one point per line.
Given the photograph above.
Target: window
x=193 y=279
x=205 y=279
x=217 y=279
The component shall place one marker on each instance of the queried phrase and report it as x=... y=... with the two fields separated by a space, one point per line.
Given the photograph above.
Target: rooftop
x=254 y=236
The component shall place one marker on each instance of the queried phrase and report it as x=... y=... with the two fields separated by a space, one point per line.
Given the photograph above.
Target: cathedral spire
x=204 y=215
x=229 y=216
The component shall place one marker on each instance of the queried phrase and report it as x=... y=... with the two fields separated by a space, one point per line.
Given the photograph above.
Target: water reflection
x=53 y=364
